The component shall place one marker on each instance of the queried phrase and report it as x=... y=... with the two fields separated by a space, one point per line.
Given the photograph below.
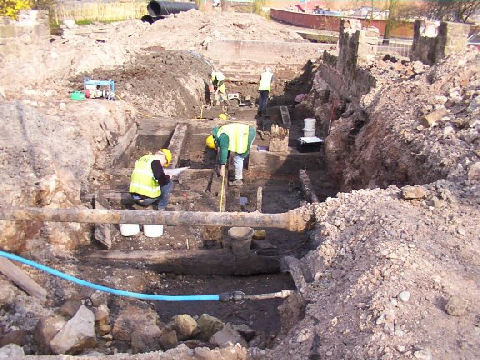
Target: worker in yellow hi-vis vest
x=236 y=138
x=217 y=88
x=266 y=79
x=149 y=185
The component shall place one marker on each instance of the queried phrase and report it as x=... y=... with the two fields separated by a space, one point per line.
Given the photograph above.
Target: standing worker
x=235 y=138
x=266 y=79
x=217 y=87
x=149 y=185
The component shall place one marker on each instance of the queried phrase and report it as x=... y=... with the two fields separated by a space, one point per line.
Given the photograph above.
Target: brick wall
x=401 y=29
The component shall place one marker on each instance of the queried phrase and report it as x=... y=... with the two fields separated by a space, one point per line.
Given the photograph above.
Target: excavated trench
x=184 y=265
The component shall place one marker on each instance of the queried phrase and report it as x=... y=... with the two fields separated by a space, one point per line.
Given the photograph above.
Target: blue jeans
x=262 y=102
x=160 y=202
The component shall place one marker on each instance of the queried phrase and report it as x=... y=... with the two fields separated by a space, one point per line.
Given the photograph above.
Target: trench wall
x=245 y=60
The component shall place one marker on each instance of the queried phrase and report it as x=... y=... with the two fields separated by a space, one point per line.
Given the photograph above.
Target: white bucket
x=309 y=124
x=153 y=230
x=309 y=129
x=129 y=229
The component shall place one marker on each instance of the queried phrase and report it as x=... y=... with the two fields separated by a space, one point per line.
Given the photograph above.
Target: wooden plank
x=205 y=262
x=293 y=266
x=21 y=279
x=123 y=197
x=307 y=187
x=176 y=143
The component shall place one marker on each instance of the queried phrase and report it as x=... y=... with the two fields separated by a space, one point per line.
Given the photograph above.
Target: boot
x=237 y=182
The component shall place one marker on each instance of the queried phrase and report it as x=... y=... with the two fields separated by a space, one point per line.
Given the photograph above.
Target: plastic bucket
x=309 y=124
x=153 y=230
x=77 y=95
x=129 y=229
x=240 y=239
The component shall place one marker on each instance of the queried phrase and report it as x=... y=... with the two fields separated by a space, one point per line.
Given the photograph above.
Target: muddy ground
x=391 y=272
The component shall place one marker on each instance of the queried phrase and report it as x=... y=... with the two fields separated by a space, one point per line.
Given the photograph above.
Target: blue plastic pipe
x=107 y=289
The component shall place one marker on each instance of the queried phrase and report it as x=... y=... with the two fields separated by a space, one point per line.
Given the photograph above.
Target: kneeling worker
x=235 y=138
x=149 y=185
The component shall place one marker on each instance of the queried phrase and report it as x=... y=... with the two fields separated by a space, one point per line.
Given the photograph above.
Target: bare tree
x=452 y=10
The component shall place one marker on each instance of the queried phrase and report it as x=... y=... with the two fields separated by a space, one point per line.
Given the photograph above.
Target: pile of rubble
x=418 y=124
x=395 y=274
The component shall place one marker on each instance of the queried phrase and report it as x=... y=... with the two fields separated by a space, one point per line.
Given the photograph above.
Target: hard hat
x=210 y=142
x=223 y=116
x=168 y=156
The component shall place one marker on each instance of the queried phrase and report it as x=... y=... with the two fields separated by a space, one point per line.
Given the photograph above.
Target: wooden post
x=259 y=198
x=103 y=231
x=19 y=277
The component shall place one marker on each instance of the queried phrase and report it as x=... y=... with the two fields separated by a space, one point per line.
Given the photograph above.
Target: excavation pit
x=197 y=259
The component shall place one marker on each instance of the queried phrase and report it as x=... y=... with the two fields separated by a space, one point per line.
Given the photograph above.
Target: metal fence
x=394 y=48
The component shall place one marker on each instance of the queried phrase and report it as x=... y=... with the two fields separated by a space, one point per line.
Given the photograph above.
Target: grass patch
x=84 y=22
x=90 y=22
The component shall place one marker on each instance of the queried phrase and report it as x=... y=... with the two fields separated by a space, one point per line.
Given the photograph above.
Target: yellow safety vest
x=265 y=80
x=142 y=181
x=237 y=136
x=218 y=75
x=220 y=79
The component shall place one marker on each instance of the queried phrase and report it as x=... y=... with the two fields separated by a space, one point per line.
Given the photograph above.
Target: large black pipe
x=162 y=8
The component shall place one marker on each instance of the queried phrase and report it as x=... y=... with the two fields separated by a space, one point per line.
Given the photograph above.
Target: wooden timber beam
x=194 y=262
x=307 y=187
x=176 y=143
x=293 y=220
x=19 y=277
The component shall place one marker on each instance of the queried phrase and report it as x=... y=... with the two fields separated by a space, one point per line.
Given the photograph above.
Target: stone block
x=207 y=326
x=77 y=334
x=432 y=118
x=185 y=326
x=413 y=192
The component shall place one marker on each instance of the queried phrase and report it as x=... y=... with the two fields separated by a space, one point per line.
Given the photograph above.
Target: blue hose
x=107 y=289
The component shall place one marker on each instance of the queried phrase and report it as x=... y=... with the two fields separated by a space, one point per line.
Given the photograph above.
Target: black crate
x=306 y=147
